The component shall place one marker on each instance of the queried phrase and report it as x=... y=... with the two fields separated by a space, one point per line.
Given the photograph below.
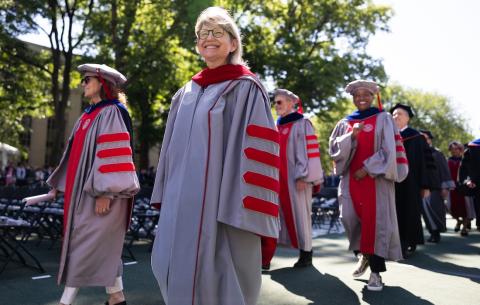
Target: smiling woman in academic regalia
x=98 y=177
x=217 y=179
x=369 y=156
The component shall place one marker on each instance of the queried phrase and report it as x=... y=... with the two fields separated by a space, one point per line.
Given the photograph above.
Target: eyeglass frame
x=213 y=33
x=85 y=80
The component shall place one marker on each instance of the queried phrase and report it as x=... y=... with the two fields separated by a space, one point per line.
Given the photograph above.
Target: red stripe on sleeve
x=398 y=137
x=262 y=206
x=262 y=157
x=402 y=160
x=400 y=148
x=262 y=181
x=114 y=152
x=113 y=137
x=264 y=133
x=314 y=155
x=116 y=167
x=311 y=137
x=310 y=146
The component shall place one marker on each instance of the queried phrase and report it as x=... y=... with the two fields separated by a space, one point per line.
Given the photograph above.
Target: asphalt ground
x=447 y=273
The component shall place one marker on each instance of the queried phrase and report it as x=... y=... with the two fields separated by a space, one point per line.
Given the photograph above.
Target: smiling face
x=91 y=88
x=283 y=105
x=362 y=98
x=215 y=44
x=401 y=118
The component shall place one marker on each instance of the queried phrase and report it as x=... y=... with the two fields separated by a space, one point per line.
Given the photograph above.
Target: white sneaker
x=375 y=282
x=361 y=266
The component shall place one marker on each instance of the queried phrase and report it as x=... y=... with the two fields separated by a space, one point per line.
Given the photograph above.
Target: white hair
x=215 y=15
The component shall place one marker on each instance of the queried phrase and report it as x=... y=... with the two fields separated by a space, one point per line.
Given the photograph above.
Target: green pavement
x=443 y=274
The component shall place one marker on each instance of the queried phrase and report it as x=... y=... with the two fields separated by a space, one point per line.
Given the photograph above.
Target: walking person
x=469 y=175
x=217 y=180
x=98 y=177
x=458 y=208
x=410 y=192
x=433 y=206
x=300 y=171
x=369 y=157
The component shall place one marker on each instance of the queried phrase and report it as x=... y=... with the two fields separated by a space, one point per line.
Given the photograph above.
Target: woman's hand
x=360 y=174
x=471 y=184
x=53 y=192
x=102 y=205
x=300 y=185
x=357 y=127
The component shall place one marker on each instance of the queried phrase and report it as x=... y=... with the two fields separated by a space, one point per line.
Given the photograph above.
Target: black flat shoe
x=121 y=303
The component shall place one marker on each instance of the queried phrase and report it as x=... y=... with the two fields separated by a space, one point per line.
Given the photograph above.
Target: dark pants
x=376 y=263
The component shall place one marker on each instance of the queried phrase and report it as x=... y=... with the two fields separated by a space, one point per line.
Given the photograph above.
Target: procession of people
x=250 y=181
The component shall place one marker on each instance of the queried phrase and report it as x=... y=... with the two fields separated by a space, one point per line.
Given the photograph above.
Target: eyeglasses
x=86 y=80
x=278 y=102
x=217 y=33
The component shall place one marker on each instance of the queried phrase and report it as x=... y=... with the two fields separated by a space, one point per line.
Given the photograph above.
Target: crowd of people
x=232 y=183
x=23 y=174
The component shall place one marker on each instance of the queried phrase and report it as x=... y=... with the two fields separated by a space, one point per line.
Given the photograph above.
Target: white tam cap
x=365 y=84
x=106 y=72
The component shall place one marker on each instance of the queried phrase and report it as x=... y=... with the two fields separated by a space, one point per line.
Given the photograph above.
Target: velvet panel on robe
x=300 y=158
x=387 y=165
x=217 y=183
x=92 y=245
x=408 y=192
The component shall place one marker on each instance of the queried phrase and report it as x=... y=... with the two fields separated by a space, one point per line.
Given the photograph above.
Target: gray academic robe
x=383 y=165
x=303 y=162
x=217 y=182
x=92 y=245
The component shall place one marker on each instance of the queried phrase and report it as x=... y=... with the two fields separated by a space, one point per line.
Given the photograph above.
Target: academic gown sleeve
x=113 y=172
x=160 y=174
x=58 y=178
x=446 y=181
x=341 y=147
x=389 y=161
x=308 y=165
x=250 y=180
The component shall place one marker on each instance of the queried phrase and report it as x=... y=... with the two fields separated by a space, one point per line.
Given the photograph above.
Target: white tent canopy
x=6 y=151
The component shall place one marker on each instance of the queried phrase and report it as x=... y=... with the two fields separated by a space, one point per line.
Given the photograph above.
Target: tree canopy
x=310 y=47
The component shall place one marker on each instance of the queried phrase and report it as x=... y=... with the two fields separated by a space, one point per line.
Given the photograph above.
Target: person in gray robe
x=300 y=170
x=98 y=177
x=434 y=207
x=217 y=179
x=369 y=157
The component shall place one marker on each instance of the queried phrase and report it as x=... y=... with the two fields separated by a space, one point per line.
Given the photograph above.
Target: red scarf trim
x=220 y=74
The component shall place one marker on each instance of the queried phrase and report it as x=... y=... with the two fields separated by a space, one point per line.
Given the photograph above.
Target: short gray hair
x=215 y=15
x=287 y=93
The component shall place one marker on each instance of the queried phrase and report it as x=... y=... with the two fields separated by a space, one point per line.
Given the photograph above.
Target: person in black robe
x=409 y=193
x=433 y=208
x=469 y=174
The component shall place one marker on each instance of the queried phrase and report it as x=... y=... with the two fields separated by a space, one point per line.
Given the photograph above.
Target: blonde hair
x=215 y=15
x=116 y=93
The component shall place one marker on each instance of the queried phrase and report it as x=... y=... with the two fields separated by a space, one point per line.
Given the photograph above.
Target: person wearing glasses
x=300 y=170
x=369 y=156
x=217 y=179
x=98 y=179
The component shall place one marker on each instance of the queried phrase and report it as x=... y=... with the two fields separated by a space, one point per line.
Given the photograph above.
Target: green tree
x=311 y=47
x=25 y=16
x=149 y=43
x=433 y=112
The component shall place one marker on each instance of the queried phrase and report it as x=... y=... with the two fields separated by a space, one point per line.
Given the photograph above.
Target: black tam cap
x=407 y=108
x=428 y=133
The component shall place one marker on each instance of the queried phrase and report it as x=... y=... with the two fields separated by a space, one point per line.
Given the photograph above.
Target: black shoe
x=457 y=226
x=121 y=303
x=411 y=249
x=266 y=267
x=464 y=232
x=305 y=259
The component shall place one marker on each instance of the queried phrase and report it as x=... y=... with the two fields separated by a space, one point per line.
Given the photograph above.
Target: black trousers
x=376 y=263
